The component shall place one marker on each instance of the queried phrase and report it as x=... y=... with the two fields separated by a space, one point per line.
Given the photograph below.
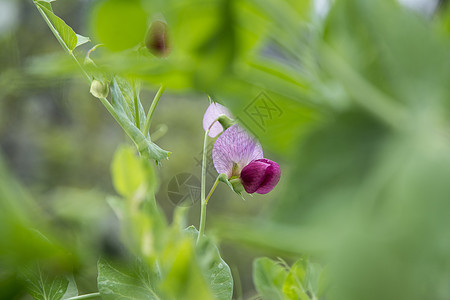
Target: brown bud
x=156 y=40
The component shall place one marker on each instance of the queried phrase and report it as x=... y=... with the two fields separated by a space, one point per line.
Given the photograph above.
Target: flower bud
x=156 y=40
x=99 y=89
x=260 y=176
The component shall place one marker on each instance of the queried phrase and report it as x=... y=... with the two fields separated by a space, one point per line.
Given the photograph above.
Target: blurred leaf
x=275 y=280
x=43 y=287
x=302 y=281
x=184 y=278
x=114 y=283
x=268 y=277
x=143 y=224
x=129 y=173
x=216 y=271
x=20 y=219
x=401 y=57
x=119 y=24
x=72 y=289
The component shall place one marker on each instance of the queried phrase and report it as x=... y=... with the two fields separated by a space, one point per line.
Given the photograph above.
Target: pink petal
x=273 y=174
x=260 y=176
x=253 y=175
x=213 y=111
x=235 y=147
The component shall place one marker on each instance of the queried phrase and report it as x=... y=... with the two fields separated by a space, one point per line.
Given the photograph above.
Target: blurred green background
x=361 y=136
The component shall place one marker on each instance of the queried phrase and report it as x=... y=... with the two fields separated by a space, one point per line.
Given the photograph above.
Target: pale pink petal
x=213 y=111
x=235 y=147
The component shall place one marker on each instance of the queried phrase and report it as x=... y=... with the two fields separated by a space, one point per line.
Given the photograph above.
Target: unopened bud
x=99 y=89
x=156 y=40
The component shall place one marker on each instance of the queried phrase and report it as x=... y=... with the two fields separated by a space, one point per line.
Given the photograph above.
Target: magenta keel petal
x=260 y=176
x=253 y=175
x=213 y=111
x=233 y=150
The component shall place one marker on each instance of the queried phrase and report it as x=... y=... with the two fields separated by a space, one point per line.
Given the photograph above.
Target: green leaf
x=216 y=271
x=148 y=149
x=269 y=277
x=59 y=27
x=130 y=173
x=63 y=32
x=115 y=283
x=183 y=277
x=302 y=281
x=130 y=101
x=43 y=287
x=294 y=286
x=119 y=24
x=72 y=289
x=82 y=40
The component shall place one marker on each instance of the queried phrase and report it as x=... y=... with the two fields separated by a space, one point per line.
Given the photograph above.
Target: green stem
x=136 y=110
x=111 y=110
x=148 y=120
x=201 y=229
x=87 y=296
x=212 y=190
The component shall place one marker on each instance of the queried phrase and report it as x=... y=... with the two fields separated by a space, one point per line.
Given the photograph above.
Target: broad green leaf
x=216 y=271
x=43 y=287
x=269 y=277
x=115 y=283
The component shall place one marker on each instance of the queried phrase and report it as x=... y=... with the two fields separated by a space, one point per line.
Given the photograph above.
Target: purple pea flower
x=237 y=155
x=210 y=122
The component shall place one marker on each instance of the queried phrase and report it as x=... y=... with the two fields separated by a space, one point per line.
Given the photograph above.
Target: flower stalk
x=151 y=111
x=201 y=229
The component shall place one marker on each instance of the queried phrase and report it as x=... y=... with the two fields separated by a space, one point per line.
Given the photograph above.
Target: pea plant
x=342 y=107
x=171 y=261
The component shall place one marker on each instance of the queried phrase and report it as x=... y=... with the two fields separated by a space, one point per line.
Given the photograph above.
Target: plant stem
x=87 y=296
x=212 y=190
x=148 y=120
x=136 y=110
x=201 y=229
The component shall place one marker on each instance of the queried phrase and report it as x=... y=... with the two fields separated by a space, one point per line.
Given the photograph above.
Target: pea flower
x=240 y=157
x=211 y=116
